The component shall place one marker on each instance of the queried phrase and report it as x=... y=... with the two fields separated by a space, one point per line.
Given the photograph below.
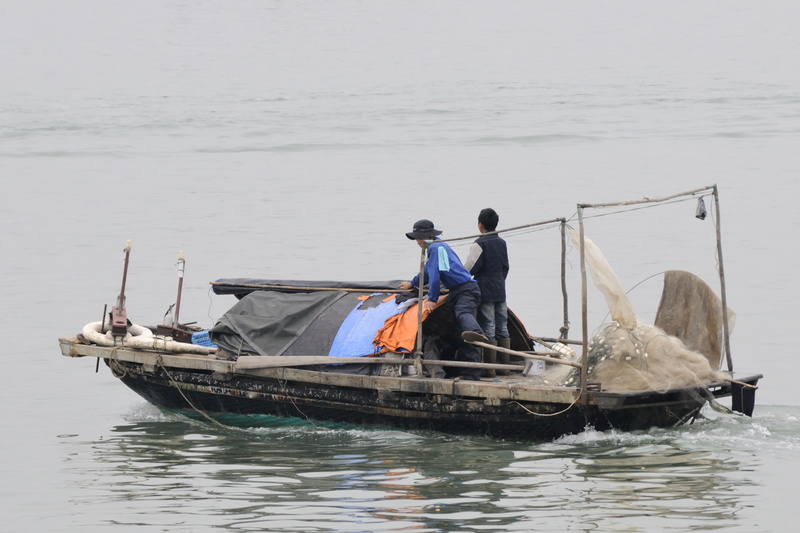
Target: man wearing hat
x=443 y=268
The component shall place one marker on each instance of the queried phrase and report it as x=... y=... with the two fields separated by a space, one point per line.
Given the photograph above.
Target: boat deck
x=514 y=387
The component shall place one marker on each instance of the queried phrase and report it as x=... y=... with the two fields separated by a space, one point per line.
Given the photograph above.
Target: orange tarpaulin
x=399 y=332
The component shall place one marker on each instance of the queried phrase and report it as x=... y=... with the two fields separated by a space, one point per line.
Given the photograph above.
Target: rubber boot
x=502 y=357
x=489 y=356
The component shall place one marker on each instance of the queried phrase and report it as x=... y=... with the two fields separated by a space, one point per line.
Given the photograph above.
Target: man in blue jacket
x=443 y=268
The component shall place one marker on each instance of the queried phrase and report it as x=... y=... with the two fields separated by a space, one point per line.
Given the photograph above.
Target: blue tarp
x=355 y=336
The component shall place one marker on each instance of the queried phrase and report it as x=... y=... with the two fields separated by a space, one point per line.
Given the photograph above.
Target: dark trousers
x=465 y=299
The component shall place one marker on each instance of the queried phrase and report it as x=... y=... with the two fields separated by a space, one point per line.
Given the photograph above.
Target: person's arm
x=432 y=272
x=473 y=258
x=405 y=285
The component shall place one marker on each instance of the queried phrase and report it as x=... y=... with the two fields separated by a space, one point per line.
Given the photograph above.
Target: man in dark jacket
x=487 y=261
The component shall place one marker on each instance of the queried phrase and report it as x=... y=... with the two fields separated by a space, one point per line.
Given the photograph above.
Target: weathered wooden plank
x=515 y=388
x=247 y=362
x=251 y=362
x=507 y=390
x=72 y=348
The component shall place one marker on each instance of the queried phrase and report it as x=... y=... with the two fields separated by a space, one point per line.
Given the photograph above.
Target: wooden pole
x=723 y=297
x=655 y=200
x=119 y=318
x=565 y=328
x=741 y=383
x=527 y=355
x=418 y=351
x=181 y=267
x=584 y=311
x=505 y=230
x=553 y=339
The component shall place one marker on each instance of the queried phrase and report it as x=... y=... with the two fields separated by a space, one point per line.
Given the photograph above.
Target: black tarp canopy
x=292 y=317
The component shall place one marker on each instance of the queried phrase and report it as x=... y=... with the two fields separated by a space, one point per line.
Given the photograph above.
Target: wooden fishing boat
x=354 y=353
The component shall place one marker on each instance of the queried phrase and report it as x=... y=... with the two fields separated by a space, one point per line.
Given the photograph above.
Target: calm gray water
x=301 y=140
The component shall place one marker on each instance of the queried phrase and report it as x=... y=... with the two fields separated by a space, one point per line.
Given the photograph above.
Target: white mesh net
x=627 y=356
x=644 y=358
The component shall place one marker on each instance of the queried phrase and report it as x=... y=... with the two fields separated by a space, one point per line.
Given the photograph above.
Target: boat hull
x=508 y=407
x=194 y=392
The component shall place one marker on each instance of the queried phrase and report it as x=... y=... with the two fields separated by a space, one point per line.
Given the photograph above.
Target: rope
x=718 y=407
x=282 y=382
x=210 y=305
x=115 y=369
x=114 y=365
x=550 y=414
x=175 y=384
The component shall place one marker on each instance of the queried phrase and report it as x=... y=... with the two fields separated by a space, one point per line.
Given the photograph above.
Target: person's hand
x=428 y=305
x=405 y=285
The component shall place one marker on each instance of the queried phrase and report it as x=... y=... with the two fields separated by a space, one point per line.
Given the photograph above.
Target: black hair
x=489 y=219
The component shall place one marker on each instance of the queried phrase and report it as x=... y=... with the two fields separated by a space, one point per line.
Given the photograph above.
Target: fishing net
x=691 y=311
x=642 y=358
x=625 y=355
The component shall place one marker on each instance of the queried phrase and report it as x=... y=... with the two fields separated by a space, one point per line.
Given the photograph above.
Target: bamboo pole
x=584 y=311
x=505 y=230
x=418 y=351
x=693 y=192
x=527 y=355
x=553 y=339
x=741 y=383
x=181 y=267
x=723 y=296
x=565 y=328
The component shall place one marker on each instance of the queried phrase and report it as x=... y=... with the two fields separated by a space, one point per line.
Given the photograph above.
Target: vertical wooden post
x=584 y=311
x=723 y=296
x=119 y=318
x=181 y=267
x=565 y=327
x=418 y=351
